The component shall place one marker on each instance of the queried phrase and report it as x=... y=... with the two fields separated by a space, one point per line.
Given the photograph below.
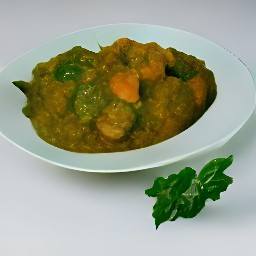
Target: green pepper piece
x=67 y=71
x=88 y=102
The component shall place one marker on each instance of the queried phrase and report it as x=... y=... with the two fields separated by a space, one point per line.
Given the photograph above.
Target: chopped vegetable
x=185 y=67
x=184 y=194
x=22 y=85
x=116 y=120
x=88 y=102
x=126 y=86
x=67 y=71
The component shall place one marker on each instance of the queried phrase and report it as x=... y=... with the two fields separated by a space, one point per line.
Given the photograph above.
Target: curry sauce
x=127 y=96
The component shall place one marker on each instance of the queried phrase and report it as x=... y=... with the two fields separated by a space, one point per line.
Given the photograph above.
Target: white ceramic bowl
x=233 y=106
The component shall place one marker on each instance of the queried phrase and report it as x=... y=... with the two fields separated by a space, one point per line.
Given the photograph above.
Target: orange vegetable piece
x=125 y=85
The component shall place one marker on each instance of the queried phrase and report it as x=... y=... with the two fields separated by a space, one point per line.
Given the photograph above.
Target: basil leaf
x=22 y=85
x=212 y=178
x=184 y=194
x=67 y=71
x=169 y=193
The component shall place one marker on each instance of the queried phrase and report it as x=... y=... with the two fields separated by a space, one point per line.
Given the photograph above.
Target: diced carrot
x=125 y=85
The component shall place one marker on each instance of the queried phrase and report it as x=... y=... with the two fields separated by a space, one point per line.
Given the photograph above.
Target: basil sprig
x=184 y=194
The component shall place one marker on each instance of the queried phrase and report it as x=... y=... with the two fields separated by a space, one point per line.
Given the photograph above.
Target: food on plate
x=184 y=194
x=127 y=96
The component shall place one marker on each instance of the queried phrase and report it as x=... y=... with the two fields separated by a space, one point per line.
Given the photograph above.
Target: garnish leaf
x=67 y=71
x=184 y=194
x=212 y=178
x=22 y=85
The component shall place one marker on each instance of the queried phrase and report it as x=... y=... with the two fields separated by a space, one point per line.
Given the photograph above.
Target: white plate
x=233 y=106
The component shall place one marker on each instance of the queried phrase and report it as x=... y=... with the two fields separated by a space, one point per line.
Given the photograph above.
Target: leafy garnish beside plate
x=184 y=194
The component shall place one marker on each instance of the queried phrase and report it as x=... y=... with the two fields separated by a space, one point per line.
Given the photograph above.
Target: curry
x=127 y=96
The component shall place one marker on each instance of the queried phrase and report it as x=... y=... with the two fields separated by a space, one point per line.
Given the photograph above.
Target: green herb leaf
x=67 y=71
x=184 y=194
x=22 y=85
x=212 y=178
